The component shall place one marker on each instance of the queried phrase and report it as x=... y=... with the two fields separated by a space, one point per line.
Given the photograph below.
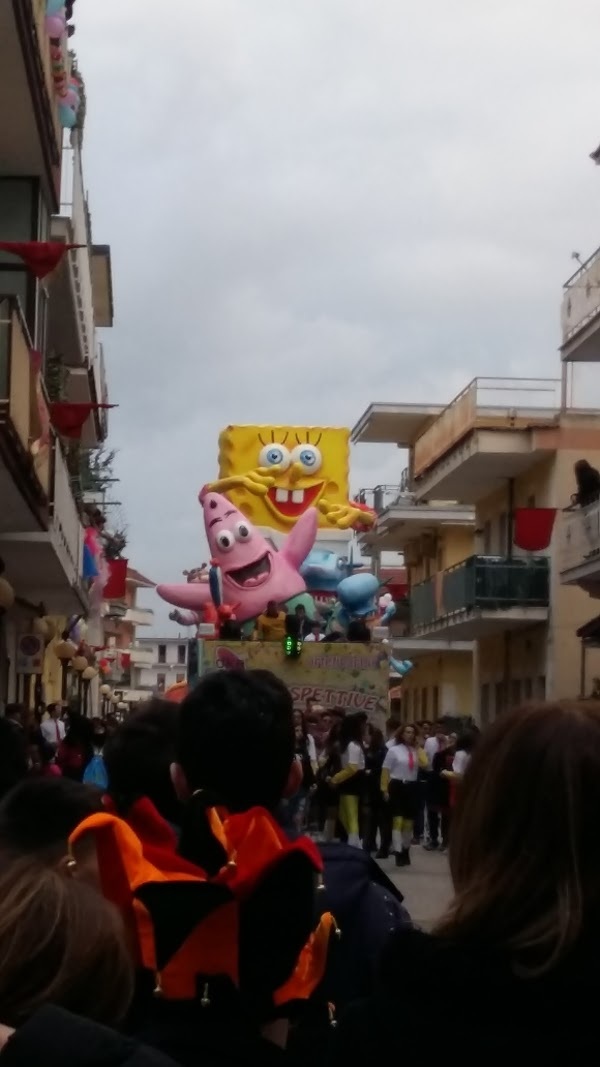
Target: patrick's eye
x=274 y=456
x=308 y=456
x=242 y=531
x=225 y=540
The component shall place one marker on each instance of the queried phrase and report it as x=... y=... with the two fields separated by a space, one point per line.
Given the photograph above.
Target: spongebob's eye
x=274 y=456
x=243 y=531
x=308 y=456
x=225 y=540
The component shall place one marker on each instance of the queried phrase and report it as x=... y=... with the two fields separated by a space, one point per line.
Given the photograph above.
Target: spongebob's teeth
x=281 y=496
x=298 y=496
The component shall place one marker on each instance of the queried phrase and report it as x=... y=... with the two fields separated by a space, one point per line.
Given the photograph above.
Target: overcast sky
x=313 y=204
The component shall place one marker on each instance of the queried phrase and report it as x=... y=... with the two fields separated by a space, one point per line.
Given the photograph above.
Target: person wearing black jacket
x=56 y=1038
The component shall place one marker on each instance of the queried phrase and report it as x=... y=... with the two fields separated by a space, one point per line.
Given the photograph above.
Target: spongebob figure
x=274 y=473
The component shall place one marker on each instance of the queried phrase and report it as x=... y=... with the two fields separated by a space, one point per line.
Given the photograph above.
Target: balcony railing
x=580 y=537
x=386 y=496
x=489 y=583
x=21 y=405
x=66 y=529
x=73 y=207
x=488 y=400
x=39 y=12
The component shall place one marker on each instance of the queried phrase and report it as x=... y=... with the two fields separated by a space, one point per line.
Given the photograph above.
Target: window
x=20 y=221
x=540 y=687
x=161 y=681
x=487 y=538
x=484 y=704
x=527 y=689
x=181 y=653
x=162 y=653
x=180 y=678
x=499 y=705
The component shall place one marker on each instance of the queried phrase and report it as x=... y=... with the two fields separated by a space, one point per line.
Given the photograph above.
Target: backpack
x=95 y=773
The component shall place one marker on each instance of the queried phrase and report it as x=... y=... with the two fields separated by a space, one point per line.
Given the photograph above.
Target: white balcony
x=580 y=313
x=140 y=658
x=401 y=519
x=579 y=548
x=139 y=617
x=397 y=424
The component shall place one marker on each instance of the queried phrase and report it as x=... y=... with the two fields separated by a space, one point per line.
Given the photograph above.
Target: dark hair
x=236 y=738
x=467 y=740
x=39 y=814
x=358 y=631
x=351 y=730
x=138 y=758
x=528 y=885
x=62 y=943
x=13 y=710
x=13 y=756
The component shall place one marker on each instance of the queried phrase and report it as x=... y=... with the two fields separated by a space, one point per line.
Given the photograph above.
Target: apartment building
x=50 y=353
x=168 y=662
x=485 y=477
x=579 y=529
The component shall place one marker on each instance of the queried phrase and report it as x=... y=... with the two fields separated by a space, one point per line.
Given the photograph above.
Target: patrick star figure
x=253 y=572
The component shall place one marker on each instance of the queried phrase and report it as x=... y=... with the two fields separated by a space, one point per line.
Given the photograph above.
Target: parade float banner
x=352 y=677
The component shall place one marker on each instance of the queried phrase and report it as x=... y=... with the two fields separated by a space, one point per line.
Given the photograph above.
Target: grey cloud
x=317 y=203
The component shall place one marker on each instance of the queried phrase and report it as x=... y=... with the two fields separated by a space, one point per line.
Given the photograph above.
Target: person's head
x=315 y=628
x=236 y=739
x=440 y=734
x=39 y=755
x=272 y=609
x=300 y=611
x=79 y=730
x=358 y=631
x=527 y=876
x=425 y=729
x=138 y=759
x=352 y=729
x=407 y=735
x=60 y=943
x=15 y=713
x=373 y=737
x=54 y=711
x=38 y=816
x=391 y=729
x=467 y=740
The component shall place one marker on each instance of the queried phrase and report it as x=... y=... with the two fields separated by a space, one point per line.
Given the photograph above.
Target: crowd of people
x=384 y=793
x=177 y=915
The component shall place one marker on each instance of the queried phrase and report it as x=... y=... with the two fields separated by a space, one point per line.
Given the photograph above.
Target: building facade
x=168 y=661
x=487 y=604
x=52 y=305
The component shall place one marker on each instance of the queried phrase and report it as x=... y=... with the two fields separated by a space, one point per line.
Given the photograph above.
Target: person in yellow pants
x=401 y=790
x=349 y=780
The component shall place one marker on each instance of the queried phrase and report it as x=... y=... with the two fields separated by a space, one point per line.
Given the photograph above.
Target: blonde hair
x=60 y=941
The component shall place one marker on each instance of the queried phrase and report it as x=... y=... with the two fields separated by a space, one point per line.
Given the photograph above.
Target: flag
x=40 y=257
x=533 y=528
x=69 y=419
x=42 y=408
x=115 y=587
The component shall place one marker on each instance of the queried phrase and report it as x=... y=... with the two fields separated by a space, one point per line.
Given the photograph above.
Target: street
x=425 y=884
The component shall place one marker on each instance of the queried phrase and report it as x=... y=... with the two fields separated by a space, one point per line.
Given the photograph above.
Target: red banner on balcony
x=69 y=419
x=533 y=528
x=42 y=408
x=40 y=257
x=117 y=580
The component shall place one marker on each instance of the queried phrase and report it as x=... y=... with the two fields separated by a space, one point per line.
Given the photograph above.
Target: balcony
x=579 y=548
x=580 y=313
x=495 y=429
x=30 y=133
x=401 y=519
x=396 y=424
x=139 y=616
x=483 y=595
x=25 y=481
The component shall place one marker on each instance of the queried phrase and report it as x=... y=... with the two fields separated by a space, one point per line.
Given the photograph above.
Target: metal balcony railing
x=485 y=400
x=382 y=497
x=579 y=541
x=490 y=583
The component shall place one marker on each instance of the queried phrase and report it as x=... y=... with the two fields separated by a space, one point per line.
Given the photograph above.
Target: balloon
x=66 y=116
x=54 y=6
x=55 y=25
x=70 y=99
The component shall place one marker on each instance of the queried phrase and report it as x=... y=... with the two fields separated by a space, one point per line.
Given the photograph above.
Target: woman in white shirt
x=348 y=782
x=400 y=788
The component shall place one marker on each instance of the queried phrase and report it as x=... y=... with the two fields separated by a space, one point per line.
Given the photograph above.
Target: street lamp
x=105 y=693
x=87 y=675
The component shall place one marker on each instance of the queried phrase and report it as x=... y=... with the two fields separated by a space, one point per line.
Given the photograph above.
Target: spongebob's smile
x=291 y=503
